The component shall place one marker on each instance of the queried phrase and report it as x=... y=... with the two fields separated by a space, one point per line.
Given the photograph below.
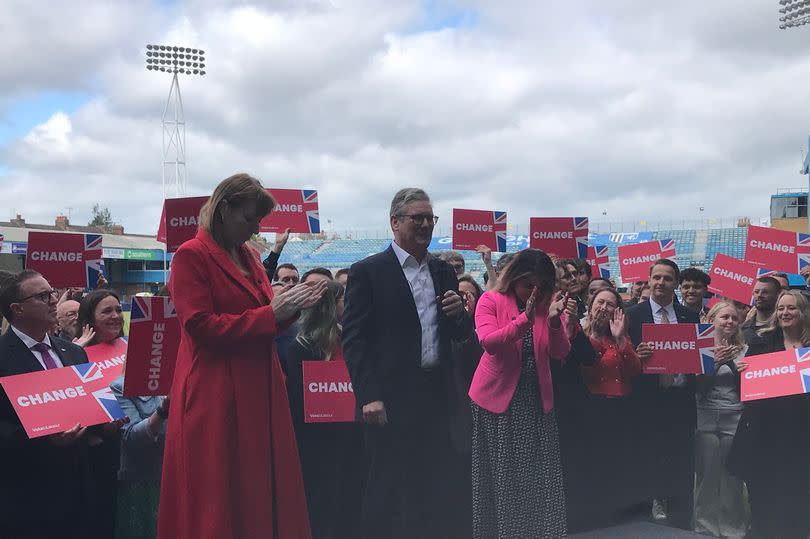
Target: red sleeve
x=495 y=339
x=191 y=284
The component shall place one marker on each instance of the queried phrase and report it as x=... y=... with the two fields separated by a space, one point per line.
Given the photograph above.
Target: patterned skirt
x=517 y=481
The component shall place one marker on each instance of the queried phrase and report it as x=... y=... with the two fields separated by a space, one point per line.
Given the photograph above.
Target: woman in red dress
x=231 y=467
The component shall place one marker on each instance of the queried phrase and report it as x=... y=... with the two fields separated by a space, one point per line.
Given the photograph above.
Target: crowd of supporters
x=513 y=410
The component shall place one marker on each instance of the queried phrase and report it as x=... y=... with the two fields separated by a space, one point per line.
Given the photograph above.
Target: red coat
x=231 y=467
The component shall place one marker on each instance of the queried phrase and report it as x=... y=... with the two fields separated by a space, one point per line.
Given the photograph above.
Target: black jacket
x=382 y=335
x=773 y=435
x=44 y=488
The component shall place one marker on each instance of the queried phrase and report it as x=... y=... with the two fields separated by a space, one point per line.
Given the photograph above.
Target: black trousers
x=414 y=474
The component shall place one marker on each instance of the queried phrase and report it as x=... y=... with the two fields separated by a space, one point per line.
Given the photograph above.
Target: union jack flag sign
x=154 y=338
x=560 y=237
x=679 y=348
x=599 y=261
x=66 y=260
x=635 y=260
x=472 y=228
x=296 y=209
x=780 y=250
x=778 y=374
x=55 y=400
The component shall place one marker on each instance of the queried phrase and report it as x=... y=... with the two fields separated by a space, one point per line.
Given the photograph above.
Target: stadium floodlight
x=793 y=13
x=176 y=61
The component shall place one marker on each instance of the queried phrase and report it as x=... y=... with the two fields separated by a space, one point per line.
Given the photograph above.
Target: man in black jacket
x=402 y=311
x=664 y=407
x=45 y=487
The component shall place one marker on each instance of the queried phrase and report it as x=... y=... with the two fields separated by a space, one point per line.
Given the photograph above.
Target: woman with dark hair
x=470 y=291
x=331 y=453
x=517 y=476
x=769 y=451
x=100 y=311
x=231 y=467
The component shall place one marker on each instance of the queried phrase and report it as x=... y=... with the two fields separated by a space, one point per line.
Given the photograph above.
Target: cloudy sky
x=646 y=110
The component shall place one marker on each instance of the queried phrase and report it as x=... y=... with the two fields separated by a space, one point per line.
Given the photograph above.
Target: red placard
x=735 y=279
x=776 y=375
x=296 y=209
x=635 y=260
x=679 y=348
x=53 y=401
x=179 y=221
x=560 y=237
x=65 y=260
x=599 y=261
x=328 y=392
x=779 y=250
x=154 y=337
x=472 y=228
x=115 y=352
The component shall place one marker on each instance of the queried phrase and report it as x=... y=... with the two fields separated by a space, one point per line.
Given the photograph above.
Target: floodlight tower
x=793 y=13
x=177 y=61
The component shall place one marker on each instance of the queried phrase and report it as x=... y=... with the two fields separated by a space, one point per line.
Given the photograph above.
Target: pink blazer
x=501 y=327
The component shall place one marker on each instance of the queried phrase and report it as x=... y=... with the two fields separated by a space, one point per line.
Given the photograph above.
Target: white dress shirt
x=424 y=296
x=30 y=343
x=678 y=379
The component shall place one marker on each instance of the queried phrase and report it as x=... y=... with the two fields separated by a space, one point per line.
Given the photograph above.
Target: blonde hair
x=236 y=190
x=804 y=315
x=737 y=339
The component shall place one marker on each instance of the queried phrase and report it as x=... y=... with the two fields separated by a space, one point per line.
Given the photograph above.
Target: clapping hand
x=618 y=328
x=86 y=337
x=530 y=304
x=452 y=305
x=289 y=303
x=564 y=303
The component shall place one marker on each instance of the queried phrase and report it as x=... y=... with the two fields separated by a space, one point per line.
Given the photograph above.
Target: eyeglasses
x=44 y=297
x=419 y=218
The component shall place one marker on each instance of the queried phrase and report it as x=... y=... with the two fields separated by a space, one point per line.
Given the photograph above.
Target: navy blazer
x=382 y=335
x=44 y=487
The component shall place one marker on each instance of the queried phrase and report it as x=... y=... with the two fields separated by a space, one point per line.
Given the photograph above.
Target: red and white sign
x=560 y=237
x=599 y=261
x=53 y=401
x=115 y=351
x=734 y=278
x=296 y=209
x=635 y=260
x=328 y=392
x=776 y=375
x=154 y=337
x=472 y=228
x=779 y=250
x=179 y=221
x=679 y=348
x=66 y=260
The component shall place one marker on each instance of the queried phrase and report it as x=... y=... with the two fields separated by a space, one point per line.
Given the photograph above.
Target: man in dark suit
x=45 y=486
x=402 y=312
x=664 y=408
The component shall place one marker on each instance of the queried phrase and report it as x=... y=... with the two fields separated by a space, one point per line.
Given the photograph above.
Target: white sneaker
x=658 y=512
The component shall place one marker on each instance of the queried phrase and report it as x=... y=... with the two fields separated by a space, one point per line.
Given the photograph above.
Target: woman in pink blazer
x=517 y=476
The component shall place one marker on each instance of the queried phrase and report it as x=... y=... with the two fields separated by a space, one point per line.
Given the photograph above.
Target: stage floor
x=637 y=530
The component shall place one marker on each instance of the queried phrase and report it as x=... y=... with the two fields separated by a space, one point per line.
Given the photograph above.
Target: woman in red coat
x=231 y=467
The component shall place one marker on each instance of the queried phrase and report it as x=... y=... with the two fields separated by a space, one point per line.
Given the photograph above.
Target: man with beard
x=766 y=292
x=664 y=409
x=67 y=318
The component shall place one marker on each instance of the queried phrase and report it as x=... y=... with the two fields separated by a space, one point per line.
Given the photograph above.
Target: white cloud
x=645 y=110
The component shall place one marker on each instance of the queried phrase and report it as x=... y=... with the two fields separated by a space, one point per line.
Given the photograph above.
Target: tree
x=101 y=217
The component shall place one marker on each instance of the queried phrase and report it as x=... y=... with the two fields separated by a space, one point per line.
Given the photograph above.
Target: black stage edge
x=636 y=530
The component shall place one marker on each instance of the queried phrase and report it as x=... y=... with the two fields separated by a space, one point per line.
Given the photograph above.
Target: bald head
x=67 y=316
